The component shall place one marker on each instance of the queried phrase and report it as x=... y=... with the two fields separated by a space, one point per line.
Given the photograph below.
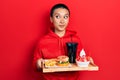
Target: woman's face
x=60 y=19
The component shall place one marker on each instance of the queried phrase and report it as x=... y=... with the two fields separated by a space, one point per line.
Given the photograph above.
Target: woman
x=54 y=43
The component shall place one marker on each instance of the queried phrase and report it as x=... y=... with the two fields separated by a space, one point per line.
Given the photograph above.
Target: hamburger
x=62 y=61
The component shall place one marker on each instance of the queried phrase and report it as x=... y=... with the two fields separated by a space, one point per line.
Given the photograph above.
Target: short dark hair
x=60 y=5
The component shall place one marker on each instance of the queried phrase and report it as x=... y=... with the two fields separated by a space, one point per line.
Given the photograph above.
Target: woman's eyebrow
x=59 y=14
x=56 y=13
x=67 y=14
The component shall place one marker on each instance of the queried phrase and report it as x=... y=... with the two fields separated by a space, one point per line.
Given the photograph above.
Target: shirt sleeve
x=37 y=55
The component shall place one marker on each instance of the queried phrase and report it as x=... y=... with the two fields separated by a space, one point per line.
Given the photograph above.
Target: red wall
x=23 y=22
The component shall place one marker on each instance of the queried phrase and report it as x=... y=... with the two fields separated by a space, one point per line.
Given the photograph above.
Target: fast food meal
x=59 y=61
x=62 y=61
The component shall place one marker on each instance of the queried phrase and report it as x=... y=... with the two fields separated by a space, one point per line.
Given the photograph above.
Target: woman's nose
x=62 y=21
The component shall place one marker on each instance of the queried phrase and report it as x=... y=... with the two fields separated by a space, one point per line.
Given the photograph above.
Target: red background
x=23 y=22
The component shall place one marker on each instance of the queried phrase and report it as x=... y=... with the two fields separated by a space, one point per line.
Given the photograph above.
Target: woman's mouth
x=61 y=25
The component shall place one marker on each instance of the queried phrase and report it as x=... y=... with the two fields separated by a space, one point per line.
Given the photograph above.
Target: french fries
x=50 y=62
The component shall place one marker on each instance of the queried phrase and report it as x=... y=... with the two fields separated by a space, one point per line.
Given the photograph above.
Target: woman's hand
x=91 y=60
x=39 y=64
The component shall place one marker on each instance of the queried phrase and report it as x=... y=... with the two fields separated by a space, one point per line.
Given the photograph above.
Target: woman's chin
x=62 y=29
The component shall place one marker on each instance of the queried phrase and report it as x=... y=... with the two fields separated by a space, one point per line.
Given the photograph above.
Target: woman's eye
x=66 y=17
x=57 y=17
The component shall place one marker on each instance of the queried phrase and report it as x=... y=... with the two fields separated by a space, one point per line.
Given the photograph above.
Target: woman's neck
x=60 y=33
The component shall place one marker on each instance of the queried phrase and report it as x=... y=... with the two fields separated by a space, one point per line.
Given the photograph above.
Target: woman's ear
x=51 y=20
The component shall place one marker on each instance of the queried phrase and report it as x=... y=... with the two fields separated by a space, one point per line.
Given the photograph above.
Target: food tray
x=72 y=67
